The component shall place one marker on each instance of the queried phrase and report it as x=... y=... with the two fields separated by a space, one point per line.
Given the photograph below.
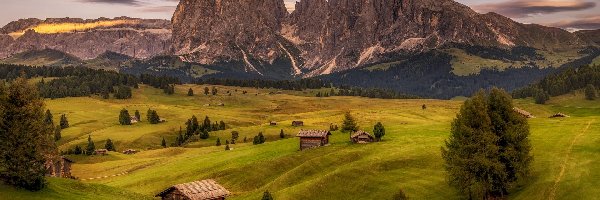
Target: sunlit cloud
x=523 y=9
x=589 y=22
x=124 y=2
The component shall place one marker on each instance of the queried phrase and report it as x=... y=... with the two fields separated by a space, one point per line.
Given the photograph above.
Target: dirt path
x=563 y=166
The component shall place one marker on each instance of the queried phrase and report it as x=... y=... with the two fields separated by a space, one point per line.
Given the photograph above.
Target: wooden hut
x=313 y=138
x=134 y=119
x=362 y=137
x=273 y=123
x=297 y=123
x=523 y=113
x=101 y=152
x=60 y=167
x=130 y=151
x=197 y=190
x=559 y=115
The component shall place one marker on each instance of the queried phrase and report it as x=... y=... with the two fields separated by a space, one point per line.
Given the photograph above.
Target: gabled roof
x=199 y=190
x=359 y=133
x=313 y=133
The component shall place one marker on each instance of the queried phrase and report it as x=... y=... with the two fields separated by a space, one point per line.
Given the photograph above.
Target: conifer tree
x=541 y=97
x=138 y=116
x=90 y=146
x=219 y=142
x=78 y=150
x=349 y=124
x=109 y=145
x=64 y=123
x=206 y=91
x=48 y=118
x=124 y=117
x=590 y=92
x=222 y=125
x=488 y=149
x=190 y=92
x=424 y=107
x=379 y=131
x=234 y=136
x=227 y=145
x=163 y=143
x=281 y=134
x=204 y=135
x=261 y=138
x=267 y=196
x=214 y=90
x=25 y=136
x=57 y=133
x=206 y=125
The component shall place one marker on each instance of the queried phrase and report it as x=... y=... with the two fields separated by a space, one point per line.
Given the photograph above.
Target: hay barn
x=197 y=190
x=313 y=138
x=362 y=137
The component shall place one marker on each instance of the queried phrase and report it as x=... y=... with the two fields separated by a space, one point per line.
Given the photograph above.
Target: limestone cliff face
x=140 y=38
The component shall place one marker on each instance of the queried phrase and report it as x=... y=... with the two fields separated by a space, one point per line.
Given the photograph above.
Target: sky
x=567 y=14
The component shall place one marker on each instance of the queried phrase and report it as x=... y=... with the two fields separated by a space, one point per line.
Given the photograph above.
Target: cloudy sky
x=573 y=14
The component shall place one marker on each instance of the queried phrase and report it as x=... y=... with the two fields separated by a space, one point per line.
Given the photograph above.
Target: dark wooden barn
x=362 y=137
x=197 y=190
x=313 y=138
x=297 y=123
x=59 y=167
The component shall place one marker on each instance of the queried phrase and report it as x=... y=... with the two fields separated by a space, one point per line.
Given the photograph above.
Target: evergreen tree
x=219 y=142
x=261 y=138
x=138 y=116
x=206 y=125
x=281 y=134
x=256 y=140
x=379 y=131
x=190 y=92
x=204 y=135
x=48 y=118
x=349 y=124
x=163 y=143
x=424 y=107
x=222 y=125
x=153 y=117
x=105 y=95
x=123 y=92
x=234 y=136
x=227 y=145
x=57 y=133
x=245 y=139
x=124 y=117
x=214 y=90
x=109 y=145
x=90 y=146
x=206 y=91
x=488 y=149
x=180 y=139
x=267 y=196
x=78 y=150
x=64 y=123
x=590 y=92
x=25 y=136
x=541 y=97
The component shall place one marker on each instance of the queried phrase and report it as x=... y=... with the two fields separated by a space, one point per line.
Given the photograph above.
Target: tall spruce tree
x=48 y=118
x=26 y=138
x=57 y=133
x=488 y=149
x=267 y=196
x=124 y=117
x=206 y=125
x=163 y=143
x=64 y=122
x=590 y=92
x=218 y=141
x=109 y=145
x=379 y=131
x=349 y=124
x=138 y=116
x=281 y=134
x=190 y=92
x=89 y=150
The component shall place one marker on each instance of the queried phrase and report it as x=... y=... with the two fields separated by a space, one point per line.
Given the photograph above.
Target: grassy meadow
x=566 y=151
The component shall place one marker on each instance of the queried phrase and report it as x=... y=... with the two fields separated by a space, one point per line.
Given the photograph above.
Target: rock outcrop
x=86 y=39
x=336 y=35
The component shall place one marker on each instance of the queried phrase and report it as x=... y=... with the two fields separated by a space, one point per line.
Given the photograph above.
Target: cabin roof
x=313 y=133
x=360 y=133
x=199 y=190
x=67 y=159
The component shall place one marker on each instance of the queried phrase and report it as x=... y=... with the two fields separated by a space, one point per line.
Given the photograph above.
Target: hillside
x=45 y=57
x=408 y=158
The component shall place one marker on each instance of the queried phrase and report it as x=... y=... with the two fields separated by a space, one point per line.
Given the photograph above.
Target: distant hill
x=44 y=57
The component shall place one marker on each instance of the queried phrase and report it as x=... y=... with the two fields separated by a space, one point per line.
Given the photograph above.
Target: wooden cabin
x=313 y=138
x=130 y=151
x=559 y=115
x=101 y=152
x=362 y=137
x=134 y=119
x=297 y=123
x=197 y=190
x=523 y=113
x=60 y=167
x=273 y=123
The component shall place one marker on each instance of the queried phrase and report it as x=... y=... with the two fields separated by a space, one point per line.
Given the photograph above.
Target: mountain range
x=434 y=48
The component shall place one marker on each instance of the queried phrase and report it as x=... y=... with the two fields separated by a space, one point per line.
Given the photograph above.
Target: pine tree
x=349 y=124
x=379 y=131
x=222 y=125
x=204 y=135
x=64 y=123
x=138 y=116
x=590 y=92
x=234 y=136
x=90 y=146
x=109 y=145
x=124 y=117
x=227 y=145
x=78 y=150
x=180 y=139
x=424 y=107
x=48 y=118
x=267 y=196
x=57 y=133
x=190 y=92
x=281 y=134
x=163 y=143
x=261 y=138
x=488 y=149
x=219 y=142
x=206 y=125
x=206 y=91
x=214 y=90
x=26 y=138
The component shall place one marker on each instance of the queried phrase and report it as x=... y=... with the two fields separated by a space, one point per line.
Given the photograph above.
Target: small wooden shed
x=273 y=123
x=313 y=138
x=134 y=119
x=297 y=123
x=101 y=152
x=362 y=137
x=197 y=190
x=523 y=113
x=60 y=167
x=559 y=115
x=130 y=151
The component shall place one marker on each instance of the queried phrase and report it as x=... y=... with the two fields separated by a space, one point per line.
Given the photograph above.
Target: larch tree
x=91 y=147
x=64 y=122
x=109 y=145
x=138 y=115
x=379 y=131
x=27 y=141
x=590 y=92
x=349 y=124
x=163 y=143
x=190 y=92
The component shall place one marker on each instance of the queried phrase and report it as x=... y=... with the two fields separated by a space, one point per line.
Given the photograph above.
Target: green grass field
x=566 y=151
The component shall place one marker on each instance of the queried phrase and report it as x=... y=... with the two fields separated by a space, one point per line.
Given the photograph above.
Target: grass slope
x=566 y=151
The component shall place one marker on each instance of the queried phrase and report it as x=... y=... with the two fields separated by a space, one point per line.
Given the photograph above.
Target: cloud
x=524 y=8
x=167 y=9
x=123 y=2
x=589 y=22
